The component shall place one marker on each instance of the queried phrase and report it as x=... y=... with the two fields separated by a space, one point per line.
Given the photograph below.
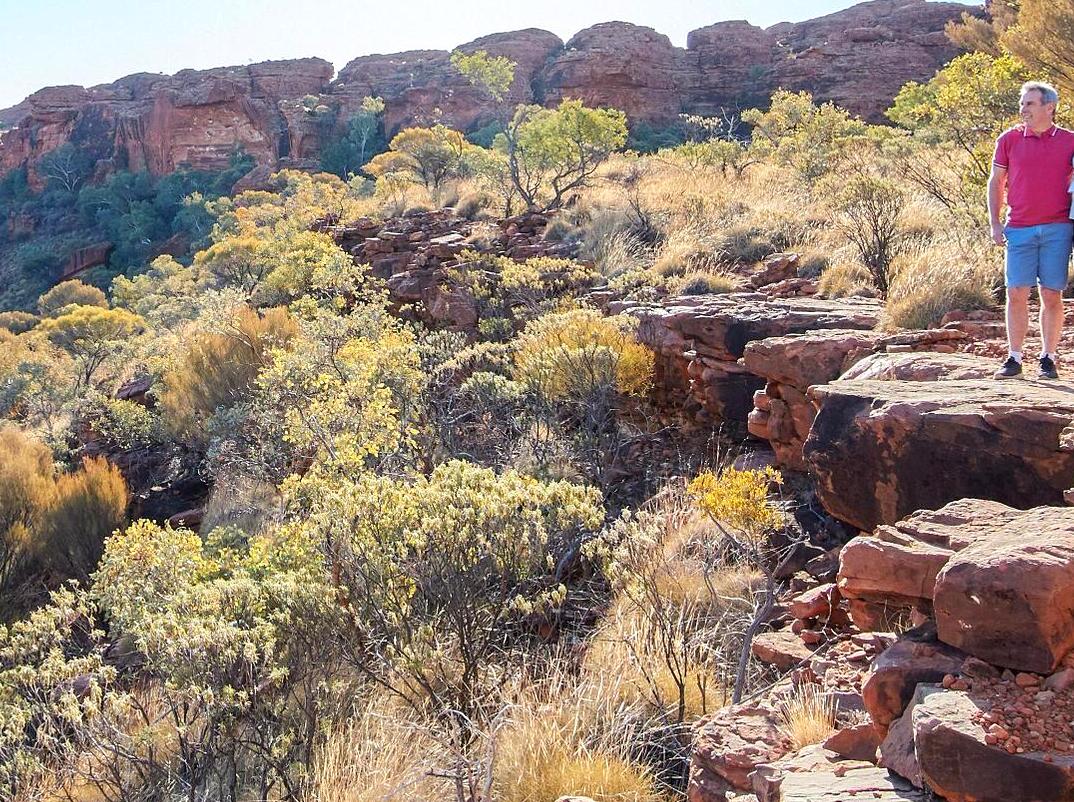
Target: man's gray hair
x=1048 y=93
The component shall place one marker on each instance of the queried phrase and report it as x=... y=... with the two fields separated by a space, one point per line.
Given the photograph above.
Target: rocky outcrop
x=699 y=342
x=421 y=87
x=859 y=57
x=86 y=258
x=958 y=763
x=159 y=123
x=783 y=414
x=1008 y=598
x=881 y=449
x=894 y=569
x=420 y=257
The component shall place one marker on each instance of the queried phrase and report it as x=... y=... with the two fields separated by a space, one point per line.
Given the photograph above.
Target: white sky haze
x=51 y=42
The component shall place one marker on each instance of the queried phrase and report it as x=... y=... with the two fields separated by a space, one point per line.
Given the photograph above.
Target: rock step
x=882 y=449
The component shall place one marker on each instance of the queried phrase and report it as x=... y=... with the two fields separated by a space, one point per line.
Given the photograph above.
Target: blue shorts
x=1038 y=254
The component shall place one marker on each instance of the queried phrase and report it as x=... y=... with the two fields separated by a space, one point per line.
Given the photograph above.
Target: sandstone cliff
x=858 y=57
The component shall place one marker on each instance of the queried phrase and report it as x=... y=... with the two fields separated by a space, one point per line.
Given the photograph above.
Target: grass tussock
x=702 y=282
x=847 y=279
x=931 y=282
x=379 y=755
x=566 y=737
x=808 y=715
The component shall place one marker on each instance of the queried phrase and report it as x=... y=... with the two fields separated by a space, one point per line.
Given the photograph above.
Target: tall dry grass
x=380 y=754
x=935 y=278
x=808 y=715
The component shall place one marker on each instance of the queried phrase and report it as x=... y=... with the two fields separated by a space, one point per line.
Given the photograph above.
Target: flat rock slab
x=817 y=775
x=1008 y=598
x=802 y=360
x=782 y=649
x=882 y=449
x=721 y=325
x=921 y=367
x=958 y=765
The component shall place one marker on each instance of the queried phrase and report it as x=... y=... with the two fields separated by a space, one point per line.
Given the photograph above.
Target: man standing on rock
x=1033 y=164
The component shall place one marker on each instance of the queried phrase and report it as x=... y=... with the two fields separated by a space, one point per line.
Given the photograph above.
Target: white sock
x=1052 y=356
x=1016 y=356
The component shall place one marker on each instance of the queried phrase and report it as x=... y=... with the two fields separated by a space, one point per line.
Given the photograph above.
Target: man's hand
x=998 y=236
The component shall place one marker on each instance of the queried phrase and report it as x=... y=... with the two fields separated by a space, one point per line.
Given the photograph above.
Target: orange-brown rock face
x=623 y=66
x=158 y=123
x=859 y=58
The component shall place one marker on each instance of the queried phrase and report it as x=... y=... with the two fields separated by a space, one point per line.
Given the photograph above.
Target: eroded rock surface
x=1008 y=597
x=859 y=57
x=882 y=449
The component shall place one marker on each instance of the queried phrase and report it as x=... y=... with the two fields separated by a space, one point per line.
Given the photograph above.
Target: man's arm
x=997 y=183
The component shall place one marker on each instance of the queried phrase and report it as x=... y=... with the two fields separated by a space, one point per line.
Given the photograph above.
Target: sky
x=87 y=42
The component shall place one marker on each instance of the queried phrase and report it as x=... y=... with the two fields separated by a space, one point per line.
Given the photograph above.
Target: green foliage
x=91 y=335
x=436 y=569
x=426 y=156
x=871 y=209
x=491 y=74
x=796 y=132
x=122 y=424
x=219 y=366
x=738 y=499
x=967 y=104
x=67 y=293
x=362 y=139
x=232 y=637
x=645 y=137
x=554 y=152
x=166 y=294
x=581 y=355
x=66 y=168
x=1041 y=38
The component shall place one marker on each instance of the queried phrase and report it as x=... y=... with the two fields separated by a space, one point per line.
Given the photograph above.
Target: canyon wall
x=279 y=112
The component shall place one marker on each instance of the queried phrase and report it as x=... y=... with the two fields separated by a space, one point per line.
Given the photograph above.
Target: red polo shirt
x=1038 y=173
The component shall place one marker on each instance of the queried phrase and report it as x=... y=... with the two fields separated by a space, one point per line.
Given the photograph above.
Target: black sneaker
x=1011 y=368
x=1047 y=369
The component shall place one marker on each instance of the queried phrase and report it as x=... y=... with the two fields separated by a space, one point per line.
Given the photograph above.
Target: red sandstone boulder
x=1008 y=598
x=777 y=267
x=896 y=566
x=915 y=658
x=782 y=649
x=956 y=762
x=855 y=742
x=880 y=450
x=733 y=742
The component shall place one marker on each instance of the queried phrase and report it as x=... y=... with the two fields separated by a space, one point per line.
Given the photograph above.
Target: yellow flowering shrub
x=579 y=353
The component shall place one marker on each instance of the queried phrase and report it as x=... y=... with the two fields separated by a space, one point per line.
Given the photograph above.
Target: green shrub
x=70 y=292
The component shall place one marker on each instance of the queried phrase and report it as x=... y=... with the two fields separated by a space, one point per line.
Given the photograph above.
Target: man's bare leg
x=1051 y=319
x=1018 y=318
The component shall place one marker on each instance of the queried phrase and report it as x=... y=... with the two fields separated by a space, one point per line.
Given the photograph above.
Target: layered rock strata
x=280 y=112
x=881 y=449
x=699 y=342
